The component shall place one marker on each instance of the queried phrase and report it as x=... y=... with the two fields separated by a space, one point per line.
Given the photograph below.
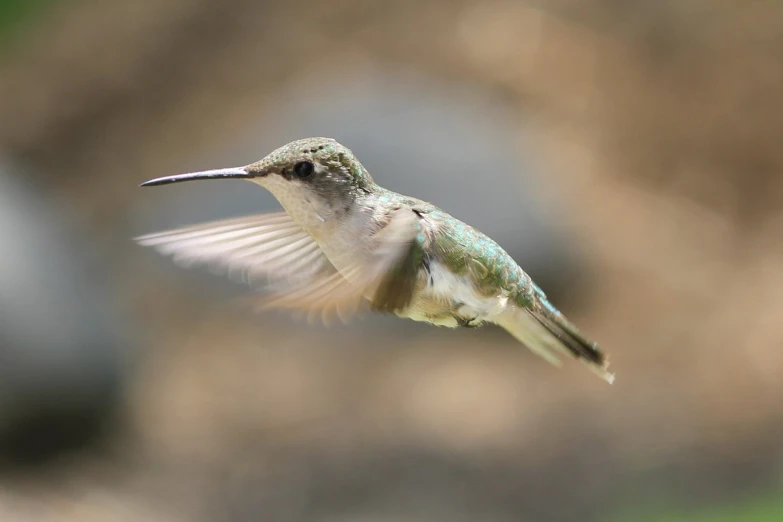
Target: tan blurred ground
x=660 y=124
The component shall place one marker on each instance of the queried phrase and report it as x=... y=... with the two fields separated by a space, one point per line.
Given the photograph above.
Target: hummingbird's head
x=321 y=164
x=314 y=169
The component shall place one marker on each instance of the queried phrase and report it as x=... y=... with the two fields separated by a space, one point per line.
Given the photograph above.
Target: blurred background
x=626 y=153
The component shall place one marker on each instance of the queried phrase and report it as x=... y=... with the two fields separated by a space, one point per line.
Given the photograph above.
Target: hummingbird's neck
x=339 y=214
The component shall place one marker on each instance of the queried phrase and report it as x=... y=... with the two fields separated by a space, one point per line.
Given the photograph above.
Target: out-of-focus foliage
x=15 y=13
x=763 y=509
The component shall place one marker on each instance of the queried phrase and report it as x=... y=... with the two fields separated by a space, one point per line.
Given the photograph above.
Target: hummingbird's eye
x=304 y=169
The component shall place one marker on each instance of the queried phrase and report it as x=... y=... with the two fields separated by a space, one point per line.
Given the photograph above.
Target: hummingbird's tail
x=547 y=333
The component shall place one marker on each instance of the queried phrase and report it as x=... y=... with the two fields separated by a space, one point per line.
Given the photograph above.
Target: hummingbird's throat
x=305 y=207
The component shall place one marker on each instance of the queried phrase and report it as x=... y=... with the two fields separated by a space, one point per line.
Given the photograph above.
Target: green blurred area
x=767 y=508
x=14 y=14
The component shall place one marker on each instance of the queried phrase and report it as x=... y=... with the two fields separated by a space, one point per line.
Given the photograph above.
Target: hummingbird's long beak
x=233 y=172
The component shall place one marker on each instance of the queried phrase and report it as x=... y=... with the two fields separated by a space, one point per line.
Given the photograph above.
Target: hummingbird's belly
x=445 y=299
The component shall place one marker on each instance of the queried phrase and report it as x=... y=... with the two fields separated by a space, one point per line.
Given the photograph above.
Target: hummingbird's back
x=468 y=252
x=527 y=314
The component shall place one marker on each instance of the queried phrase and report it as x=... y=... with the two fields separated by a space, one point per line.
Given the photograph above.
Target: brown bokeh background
x=641 y=138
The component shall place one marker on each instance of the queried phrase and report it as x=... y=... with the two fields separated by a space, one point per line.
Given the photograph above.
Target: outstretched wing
x=260 y=250
x=294 y=272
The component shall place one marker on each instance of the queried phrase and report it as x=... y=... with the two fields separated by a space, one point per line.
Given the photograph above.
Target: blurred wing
x=270 y=246
x=296 y=272
x=380 y=277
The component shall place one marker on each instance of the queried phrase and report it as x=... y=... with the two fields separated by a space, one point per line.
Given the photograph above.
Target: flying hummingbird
x=345 y=244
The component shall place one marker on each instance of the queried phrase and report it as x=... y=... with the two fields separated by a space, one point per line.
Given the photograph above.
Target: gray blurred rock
x=60 y=350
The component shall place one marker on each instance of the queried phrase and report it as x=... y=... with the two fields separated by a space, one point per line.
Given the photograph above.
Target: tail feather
x=546 y=332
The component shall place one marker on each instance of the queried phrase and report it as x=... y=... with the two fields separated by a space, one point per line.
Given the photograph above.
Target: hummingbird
x=345 y=245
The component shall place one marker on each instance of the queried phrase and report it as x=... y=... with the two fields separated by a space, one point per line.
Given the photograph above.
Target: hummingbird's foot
x=467 y=323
